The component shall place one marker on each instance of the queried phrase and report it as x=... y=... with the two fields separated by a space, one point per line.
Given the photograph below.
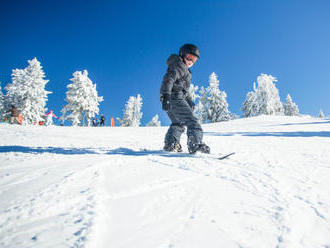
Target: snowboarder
x=176 y=101
x=50 y=116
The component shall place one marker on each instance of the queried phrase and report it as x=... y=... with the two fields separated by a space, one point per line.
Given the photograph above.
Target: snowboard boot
x=174 y=147
x=199 y=148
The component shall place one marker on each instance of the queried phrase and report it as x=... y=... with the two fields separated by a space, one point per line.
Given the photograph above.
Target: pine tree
x=250 y=106
x=82 y=100
x=132 y=113
x=27 y=92
x=193 y=92
x=290 y=108
x=202 y=106
x=265 y=99
x=154 y=122
x=2 y=104
x=217 y=103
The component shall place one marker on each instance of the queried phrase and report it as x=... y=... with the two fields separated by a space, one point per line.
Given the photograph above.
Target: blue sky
x=124 y=46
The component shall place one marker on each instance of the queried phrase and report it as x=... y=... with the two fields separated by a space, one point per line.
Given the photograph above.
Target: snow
x=114 y=187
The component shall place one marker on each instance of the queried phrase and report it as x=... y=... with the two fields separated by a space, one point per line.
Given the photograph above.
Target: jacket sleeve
x=190 y=101
x=169 y=78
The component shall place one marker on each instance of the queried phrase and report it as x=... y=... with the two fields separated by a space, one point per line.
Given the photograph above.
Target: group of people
x=98 y=122
x=17 y=118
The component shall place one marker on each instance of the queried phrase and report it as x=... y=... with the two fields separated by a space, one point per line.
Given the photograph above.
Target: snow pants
x=13 y=119
x=49 y=121
x=182 y=115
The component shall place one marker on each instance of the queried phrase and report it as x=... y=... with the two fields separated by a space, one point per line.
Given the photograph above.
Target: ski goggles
x=191 y=58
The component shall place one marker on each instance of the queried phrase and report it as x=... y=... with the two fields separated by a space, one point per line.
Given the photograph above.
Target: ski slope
x=114 y=187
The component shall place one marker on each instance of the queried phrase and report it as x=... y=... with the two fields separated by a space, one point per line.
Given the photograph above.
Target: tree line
x=27 y=92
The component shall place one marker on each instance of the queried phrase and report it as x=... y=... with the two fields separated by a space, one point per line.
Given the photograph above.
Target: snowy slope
x=114 y=187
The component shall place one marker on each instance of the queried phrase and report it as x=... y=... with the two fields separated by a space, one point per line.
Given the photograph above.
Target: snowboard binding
x=199 y=148
x=174 y=147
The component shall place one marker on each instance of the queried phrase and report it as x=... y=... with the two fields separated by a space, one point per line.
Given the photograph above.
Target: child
x=176 y=101
x=49 y=120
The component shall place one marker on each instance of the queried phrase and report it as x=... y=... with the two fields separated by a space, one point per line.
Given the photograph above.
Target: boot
x=174 y=147
x=199 y=148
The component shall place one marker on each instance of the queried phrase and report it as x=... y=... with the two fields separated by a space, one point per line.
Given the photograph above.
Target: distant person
x=95 y=122
x=14 y=115
x=49 y=120
x=102 y=120
x=177 y=102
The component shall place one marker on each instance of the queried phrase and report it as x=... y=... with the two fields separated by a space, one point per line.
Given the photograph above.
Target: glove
x=191 y=103
x=166 y=102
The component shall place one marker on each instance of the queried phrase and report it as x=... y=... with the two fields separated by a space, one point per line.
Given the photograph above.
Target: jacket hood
x=174 y=60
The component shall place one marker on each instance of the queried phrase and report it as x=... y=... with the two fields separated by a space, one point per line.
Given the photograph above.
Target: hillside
x=114 y=187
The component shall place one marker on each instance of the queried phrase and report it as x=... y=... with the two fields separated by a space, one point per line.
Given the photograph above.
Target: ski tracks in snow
x=273 y=193
x=253 y=199
x=254 y=186
x=49 y=205
x=285 y=182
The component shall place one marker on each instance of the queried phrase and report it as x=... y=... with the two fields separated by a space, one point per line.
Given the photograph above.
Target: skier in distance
x=176 y=101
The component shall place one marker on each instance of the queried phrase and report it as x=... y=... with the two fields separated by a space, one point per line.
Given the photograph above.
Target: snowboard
x=185 y=154
x=213 y=156
x=226 y=156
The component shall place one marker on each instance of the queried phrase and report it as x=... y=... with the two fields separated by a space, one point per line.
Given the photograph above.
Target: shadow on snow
x=56 y=150
x=274 y=134
x=144 y=152
x=79 y=151
x=305 y=123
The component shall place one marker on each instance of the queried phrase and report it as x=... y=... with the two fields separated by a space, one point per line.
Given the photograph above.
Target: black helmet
x=189 y=48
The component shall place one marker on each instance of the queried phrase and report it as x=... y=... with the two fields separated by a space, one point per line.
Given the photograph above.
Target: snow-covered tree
x=250 y=106
x=212 y=105
x=82 y=100
x=217 y=102
x=155 y=122
x=201 y=109
x=321 y=114
x=290 y=108
x=2 y=104
x=27 y=92
x=193 y=92
x=132 y=113
x=264 y=100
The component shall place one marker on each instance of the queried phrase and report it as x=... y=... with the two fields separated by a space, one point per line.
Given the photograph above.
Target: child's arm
x=169 y=78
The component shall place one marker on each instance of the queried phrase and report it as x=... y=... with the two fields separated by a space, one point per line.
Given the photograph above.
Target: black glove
x=166 y=102
x=191 y=103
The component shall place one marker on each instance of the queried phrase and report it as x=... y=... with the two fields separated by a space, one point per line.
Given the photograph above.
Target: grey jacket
x=176 y=81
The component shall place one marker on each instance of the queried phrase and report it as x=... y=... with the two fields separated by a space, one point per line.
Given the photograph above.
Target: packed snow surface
x=114 y=187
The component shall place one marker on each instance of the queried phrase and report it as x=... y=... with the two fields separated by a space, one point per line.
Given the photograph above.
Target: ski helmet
x=189 y=48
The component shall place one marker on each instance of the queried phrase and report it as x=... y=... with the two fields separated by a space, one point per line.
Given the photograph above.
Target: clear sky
x=124 y=46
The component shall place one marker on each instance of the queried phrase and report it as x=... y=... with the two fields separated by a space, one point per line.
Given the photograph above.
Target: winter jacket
x=176 y=81
x=51 y=115
x=14 y=112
